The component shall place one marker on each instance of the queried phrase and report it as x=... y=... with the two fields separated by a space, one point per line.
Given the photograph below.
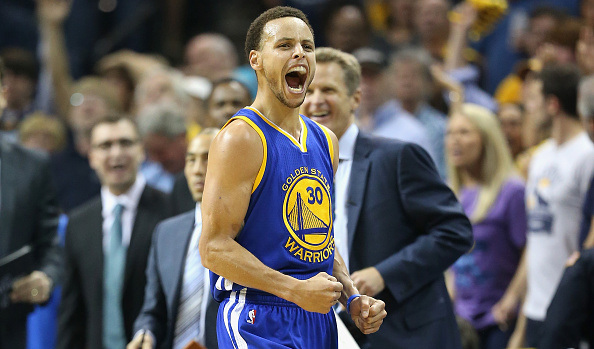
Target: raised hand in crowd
x=51 y=15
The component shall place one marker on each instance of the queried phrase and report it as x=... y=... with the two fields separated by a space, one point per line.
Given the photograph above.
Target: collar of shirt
x=346 y=144
x=198 y=214
x=128 y=199
x=197 y=227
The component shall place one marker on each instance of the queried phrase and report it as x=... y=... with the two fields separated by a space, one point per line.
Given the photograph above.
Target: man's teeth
x=296 y=89
x=299 y=69
x=320 y=114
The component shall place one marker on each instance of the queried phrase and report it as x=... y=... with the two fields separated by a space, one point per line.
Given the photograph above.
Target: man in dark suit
x=570 y=316
x=159 y=324
x=397 y=225
x=28 y=216
x=108 y=242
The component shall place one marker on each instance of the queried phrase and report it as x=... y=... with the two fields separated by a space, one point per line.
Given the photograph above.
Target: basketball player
x=267 y=216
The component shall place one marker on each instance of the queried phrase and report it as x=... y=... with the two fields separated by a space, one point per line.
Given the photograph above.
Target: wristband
x=348 y=307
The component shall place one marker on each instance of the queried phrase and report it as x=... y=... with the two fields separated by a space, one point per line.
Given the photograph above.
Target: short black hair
x=253 y=38
x=562 y=81
x=1 y=71
x=114 y=118
x=20 y=62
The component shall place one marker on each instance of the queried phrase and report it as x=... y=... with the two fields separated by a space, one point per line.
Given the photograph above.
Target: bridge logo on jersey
x=307 y=213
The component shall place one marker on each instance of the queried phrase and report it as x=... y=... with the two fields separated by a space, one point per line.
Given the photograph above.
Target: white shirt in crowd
x=558 y=180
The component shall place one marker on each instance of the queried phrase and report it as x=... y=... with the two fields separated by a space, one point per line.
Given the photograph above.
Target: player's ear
x=255 y=59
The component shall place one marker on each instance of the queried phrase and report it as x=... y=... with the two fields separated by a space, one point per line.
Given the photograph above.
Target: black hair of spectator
x=114 y=118
x=20 y=62
x=548 y=11
x=1 y=71
x=562 y=81
x=332 y=7
x=225 y=81
x=253 y=39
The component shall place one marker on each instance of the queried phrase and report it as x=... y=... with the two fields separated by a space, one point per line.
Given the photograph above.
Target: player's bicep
x=234 y=160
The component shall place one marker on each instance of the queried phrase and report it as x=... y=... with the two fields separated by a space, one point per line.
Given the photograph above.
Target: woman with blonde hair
x=481 y=173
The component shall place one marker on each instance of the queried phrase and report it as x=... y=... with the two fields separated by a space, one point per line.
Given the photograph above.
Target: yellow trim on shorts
x=302 y=146
x=263 y=139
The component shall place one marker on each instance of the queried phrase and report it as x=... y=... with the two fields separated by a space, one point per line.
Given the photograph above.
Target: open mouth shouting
x=296 y=78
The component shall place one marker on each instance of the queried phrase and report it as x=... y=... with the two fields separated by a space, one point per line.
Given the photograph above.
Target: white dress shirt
x=205 y=295
x=341 y=187
x=130 y=201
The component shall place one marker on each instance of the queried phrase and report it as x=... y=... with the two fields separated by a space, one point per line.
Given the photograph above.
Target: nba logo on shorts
x=251 y=316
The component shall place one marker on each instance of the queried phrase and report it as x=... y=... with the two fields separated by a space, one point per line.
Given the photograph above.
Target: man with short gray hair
x=163 y=131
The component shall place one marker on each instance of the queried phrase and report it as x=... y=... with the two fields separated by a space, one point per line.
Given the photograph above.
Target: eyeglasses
x=124 y=143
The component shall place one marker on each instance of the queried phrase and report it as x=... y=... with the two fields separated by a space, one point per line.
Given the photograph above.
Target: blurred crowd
x=505 y=108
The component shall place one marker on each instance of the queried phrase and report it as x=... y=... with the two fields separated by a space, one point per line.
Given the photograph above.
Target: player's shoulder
x=239 y=132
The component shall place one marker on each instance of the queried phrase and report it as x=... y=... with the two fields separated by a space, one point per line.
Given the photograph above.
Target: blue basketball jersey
x=288 y=224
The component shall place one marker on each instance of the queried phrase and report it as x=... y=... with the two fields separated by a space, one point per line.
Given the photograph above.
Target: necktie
x=187 y=325
x=114 y=336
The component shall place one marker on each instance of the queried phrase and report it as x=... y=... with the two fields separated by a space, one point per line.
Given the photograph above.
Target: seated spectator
x=481 y=173
x=43 y=132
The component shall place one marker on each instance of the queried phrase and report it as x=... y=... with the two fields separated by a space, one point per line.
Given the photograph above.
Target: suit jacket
x=80 y=322
x=28 y=216
x=181 y=198
x=408 y=224
x=164 y=275
x=570 y=316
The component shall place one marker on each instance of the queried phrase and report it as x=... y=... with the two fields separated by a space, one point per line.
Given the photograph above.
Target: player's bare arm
x=235 y=158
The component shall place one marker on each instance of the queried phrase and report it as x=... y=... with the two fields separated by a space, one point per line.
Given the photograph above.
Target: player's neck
x=281 y=115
